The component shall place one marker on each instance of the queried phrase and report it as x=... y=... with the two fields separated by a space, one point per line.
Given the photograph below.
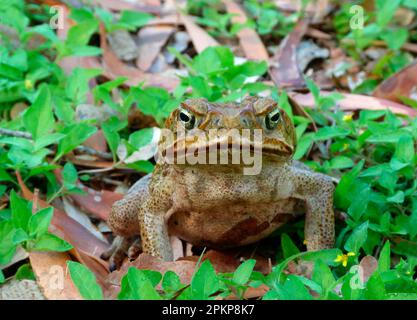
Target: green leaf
x=341 y=162
x=404 y=151
x=39 y=118
x=243 y=272
x=7 y=245
x=74 y=136
x=292 y=289
x=200 y=87
x=77 y=85
x=204 y=282
x=406 y=247
x=79 y=35
x=153 y=276
x=85 y=281
x=25 y=272
x=326 y=133
x=142 y=166
x=39 y=222
x=213 y=59
x=384 y=261
x=385 y=11
x=47 y=140
x=50 y=242
x=2 y=279
x=314 y=89
x=5 y=176
x=154 y=101
x=21 y=211
x=20 y=236
x=137 y=286
x=326 y=255
x=359 y=195
x=412 y=4
x=171 y=282
x=69 y=176
x=344 y=186
x=375 y=288
x=288 y=247
x=396 y=38
x=110 y=130
x=134 y=19
x=323 y=276
x=357 y=239
x=398 y=197
x=141 y=137
x=303 y=145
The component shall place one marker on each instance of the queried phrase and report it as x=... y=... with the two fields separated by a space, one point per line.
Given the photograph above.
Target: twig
x=35 y=201
x=81 y=149
x=15 y=133
x=114 y=166
x=94 y=152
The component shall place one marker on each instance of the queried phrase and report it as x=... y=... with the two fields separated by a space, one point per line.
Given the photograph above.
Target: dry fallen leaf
x=151 y=39
x=119 y=5
x=172 y=19
x=317 y=9
x=123 y=45
x=52 y=276
x=98 y=203
x=81 y=217
x=97 y=141
x=249 y=40
x=114 y=68
x=200 y=38
x=401 y=84
x=284 y=69
x=352 y=102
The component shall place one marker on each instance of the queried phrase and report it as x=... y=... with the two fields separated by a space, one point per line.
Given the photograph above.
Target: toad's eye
x=187 y=118
x=272 y=119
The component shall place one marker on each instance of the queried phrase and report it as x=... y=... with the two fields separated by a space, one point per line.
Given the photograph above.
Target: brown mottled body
x=217 y=205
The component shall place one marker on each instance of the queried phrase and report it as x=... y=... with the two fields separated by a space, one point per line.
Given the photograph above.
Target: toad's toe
x=118 y=252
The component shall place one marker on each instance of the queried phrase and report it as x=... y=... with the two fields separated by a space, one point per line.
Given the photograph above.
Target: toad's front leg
x=154 y=231
x=317 y=191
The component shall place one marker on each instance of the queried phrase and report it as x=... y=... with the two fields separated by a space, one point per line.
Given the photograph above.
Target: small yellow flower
x=343 y=258
x=28 y=84
x=345 y=146
x=348 y=117
x=305 y=242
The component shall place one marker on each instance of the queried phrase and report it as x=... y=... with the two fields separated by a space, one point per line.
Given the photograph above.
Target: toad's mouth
x=184 y=148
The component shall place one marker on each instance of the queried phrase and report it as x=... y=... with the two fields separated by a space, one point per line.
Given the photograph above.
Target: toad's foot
x=120 y=249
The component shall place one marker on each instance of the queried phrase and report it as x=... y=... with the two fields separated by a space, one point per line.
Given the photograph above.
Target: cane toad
x=218 y=205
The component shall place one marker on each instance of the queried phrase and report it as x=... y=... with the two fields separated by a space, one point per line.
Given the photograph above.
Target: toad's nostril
x=244 y=121
x=216 y=122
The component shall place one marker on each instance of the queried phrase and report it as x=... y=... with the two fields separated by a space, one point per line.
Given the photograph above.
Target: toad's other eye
x=187 y=118
x=272 y=119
